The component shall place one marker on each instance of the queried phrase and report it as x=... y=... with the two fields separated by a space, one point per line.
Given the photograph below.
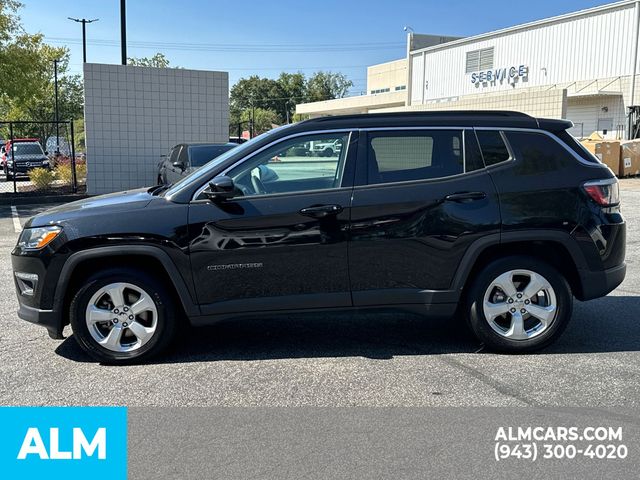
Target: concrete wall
x=387 y=75
x=133 y=115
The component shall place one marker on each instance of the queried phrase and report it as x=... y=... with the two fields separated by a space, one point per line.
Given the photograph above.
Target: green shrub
x=41 y=177
x=81 y=172
x=63 y=172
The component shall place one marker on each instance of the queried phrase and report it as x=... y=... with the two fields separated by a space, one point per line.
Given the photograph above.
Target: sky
x=269 y=36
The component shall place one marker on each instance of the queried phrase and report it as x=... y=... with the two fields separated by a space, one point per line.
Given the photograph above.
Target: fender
x=190 y=307
x=477 y=247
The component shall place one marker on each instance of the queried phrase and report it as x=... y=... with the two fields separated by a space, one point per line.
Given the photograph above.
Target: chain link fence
x=39 y=159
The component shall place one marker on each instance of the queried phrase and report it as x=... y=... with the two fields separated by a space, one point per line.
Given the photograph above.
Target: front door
x=425 y=197
x=282 y=242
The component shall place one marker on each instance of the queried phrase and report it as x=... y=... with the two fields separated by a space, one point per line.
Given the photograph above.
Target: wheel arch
x=558 y=249
x=148 y=258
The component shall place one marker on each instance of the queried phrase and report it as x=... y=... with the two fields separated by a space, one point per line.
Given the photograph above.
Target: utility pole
x=55 y=86
x=123 y=30
x=84 y=22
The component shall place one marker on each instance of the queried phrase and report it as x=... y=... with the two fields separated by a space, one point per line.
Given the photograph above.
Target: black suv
x=498 y=216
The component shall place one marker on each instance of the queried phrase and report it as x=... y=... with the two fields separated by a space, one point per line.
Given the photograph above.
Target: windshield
x=201 y=154
x=202 y=173
x=27 y=149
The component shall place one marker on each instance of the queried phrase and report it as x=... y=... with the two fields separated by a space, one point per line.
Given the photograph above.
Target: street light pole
x=123 y=30
x=55 y=83
x=84 y=22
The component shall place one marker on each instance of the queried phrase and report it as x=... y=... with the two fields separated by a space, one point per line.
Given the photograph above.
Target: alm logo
x=34 y=445
x=63 y=442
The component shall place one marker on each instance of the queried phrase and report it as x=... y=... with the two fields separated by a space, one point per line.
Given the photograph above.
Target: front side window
x=418 y=155
x=311 y=162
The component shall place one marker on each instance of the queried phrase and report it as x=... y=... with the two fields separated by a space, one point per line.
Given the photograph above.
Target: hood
x=100 y=205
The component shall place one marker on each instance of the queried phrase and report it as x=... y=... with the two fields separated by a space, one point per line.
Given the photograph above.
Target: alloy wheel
x=121 y=317
x=520 y=304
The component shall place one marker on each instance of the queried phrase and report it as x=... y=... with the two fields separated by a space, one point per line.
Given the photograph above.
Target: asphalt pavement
x=385 y=359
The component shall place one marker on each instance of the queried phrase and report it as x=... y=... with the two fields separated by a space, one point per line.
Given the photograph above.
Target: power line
x=236 y=47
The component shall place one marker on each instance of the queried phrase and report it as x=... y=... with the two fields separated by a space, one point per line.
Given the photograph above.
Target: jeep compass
x=498 y=217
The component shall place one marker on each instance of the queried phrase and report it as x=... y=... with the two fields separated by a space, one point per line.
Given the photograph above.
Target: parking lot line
x=16 y=219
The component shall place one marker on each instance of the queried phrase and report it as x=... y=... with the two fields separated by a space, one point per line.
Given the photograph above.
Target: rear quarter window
x=538 y=152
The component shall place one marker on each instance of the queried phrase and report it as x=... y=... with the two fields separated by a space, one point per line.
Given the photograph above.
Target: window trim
x=349 y=131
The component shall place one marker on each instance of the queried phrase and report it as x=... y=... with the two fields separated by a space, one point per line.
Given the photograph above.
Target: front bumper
x=24 y=169
x=49 y=319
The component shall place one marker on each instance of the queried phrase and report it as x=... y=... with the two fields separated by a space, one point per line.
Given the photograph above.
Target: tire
x=328 y=152
x=155 y=325
x=544 y=314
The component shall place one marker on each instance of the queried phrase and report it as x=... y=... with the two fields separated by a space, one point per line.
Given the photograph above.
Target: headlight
x=45 y=163
x=38 y=237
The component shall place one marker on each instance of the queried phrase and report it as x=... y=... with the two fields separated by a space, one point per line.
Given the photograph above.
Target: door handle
x=321 y=211
x=465 y=196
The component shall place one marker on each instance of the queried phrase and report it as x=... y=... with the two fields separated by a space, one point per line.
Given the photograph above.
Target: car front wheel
x=519 y=304
x=123 y=316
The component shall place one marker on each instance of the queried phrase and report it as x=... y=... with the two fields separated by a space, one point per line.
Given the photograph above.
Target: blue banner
x=63 y=442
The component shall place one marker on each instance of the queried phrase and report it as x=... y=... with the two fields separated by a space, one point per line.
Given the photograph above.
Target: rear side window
x=492 y=146
x=538 y=151
x=414 y=155
x=576 y=146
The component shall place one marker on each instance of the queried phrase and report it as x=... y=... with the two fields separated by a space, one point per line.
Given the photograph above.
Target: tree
x=264 y=119
x=157 y=61
x=327 y=86
x=282 y=94
x=27 y=86
x=294 y=89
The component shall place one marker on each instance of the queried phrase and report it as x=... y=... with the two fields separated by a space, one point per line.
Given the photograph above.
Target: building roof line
x=524 y=26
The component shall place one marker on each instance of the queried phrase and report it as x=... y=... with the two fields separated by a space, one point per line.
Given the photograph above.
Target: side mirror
x=220 y=188
x=179 y=165
x=46 y=153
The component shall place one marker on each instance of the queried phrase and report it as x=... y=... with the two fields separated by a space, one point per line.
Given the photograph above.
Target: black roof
x=458 y=118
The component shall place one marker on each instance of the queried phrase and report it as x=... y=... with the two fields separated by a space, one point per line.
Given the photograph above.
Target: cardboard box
x=630 y=158
x=607 y=151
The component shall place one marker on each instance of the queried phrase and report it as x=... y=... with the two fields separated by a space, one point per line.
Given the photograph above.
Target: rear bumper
x=598 y=284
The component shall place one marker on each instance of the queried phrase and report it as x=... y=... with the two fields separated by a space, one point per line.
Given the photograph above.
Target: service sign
x=500 y=75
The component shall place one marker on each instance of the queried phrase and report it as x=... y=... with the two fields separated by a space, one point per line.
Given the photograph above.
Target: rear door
x=424 y=197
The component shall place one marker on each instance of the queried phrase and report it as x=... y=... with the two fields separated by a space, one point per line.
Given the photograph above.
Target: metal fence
x=39 y=158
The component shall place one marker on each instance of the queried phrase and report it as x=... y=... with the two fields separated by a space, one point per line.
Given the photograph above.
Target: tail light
x=605 y=193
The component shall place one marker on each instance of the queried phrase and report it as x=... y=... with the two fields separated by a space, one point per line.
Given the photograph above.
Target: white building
x=578 y=66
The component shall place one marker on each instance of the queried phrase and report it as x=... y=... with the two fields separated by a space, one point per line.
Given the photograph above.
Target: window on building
x=479 y=60
x=380 y=90
x=492 y=146
x=404 y=156
x=401 y=87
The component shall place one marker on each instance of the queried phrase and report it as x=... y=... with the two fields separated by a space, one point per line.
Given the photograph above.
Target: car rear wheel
x=519 y=304
x=123 y=316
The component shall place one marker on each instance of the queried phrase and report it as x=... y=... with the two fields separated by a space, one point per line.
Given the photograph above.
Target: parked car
x=27 y=155
x=184 y=158
x=498 y=216
x=326 y=149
